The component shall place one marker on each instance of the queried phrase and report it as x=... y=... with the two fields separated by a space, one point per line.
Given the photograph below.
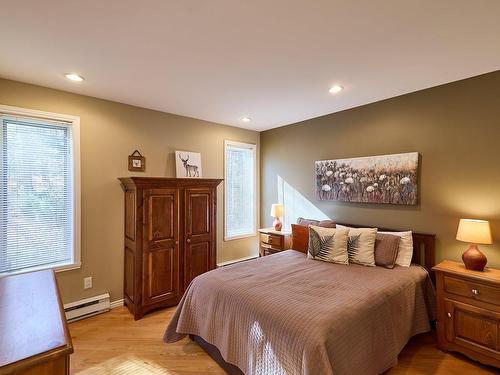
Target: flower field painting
x=389 y=179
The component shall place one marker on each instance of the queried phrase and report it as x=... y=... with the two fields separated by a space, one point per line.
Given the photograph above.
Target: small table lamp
x=277 y=212
x=474 y=232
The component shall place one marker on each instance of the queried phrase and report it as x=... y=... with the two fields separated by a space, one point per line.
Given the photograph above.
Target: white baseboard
x=228 y=262
x=115 y=304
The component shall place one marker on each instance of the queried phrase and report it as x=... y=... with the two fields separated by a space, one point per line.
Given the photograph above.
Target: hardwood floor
x=113 y=343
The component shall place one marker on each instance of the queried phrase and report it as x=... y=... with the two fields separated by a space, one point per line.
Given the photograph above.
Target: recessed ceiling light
x=335 y=89
x=246 y=119
x=74 y=77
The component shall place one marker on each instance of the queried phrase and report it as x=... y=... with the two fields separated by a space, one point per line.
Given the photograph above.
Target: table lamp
x=277 y=212
x=474 y=232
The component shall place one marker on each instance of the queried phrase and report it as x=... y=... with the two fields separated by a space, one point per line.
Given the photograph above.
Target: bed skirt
x=214 y=353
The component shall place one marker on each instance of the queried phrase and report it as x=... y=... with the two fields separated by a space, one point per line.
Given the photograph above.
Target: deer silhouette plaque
x=188 y=164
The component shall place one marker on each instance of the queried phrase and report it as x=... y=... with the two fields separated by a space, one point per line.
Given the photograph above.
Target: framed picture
x=187 y=164
x=389 y=179
x=136 y=162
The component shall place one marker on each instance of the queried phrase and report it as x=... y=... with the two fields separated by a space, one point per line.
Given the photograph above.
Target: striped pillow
x=386 y=250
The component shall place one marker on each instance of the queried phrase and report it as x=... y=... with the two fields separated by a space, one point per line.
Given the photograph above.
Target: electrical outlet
x=87 y=282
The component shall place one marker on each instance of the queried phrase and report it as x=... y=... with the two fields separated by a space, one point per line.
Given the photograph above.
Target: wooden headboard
x=424 y=246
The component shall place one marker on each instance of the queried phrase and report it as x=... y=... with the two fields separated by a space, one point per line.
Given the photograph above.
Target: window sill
x=227 y=239
x=68 y=267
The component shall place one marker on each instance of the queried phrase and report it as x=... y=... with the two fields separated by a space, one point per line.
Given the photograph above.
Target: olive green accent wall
x=454 y=127
x=109 y=132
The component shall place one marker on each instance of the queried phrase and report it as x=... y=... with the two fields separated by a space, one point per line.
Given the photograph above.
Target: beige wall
x=456 y=130
x=109 y=132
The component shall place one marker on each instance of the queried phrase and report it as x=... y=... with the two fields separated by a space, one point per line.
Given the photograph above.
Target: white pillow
x=328 y=244
x=405 y=252
x=361 y=245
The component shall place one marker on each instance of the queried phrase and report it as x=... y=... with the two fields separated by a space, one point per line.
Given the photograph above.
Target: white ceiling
x=271 y=60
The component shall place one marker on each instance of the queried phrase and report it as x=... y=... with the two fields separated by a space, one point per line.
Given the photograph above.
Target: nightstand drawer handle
x=475 y=292
x=449 y=315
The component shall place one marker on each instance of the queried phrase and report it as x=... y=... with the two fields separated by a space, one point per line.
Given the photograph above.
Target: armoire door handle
x=188 y=240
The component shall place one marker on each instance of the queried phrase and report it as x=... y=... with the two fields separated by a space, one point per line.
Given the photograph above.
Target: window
x=39 y=191
x=240 y=190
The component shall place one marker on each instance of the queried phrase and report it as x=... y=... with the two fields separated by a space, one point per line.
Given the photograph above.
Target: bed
x=286 y=314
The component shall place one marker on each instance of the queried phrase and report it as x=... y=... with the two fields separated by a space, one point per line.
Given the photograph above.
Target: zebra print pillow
x=361 y=246
x=328 y=244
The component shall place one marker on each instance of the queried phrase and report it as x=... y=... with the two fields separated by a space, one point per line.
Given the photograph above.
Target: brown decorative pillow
x=307 y=222
x=300 y=237
x=386 y=249
x=327 y=224
x=318 y=223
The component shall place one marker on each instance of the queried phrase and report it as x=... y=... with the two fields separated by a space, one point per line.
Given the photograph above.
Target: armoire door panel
x=130 y=215
x=129 y=273
x=199 y=260
x=161 y=215
x=199 y=211
x=163 y=275
x=199 y=256
x=161 y=255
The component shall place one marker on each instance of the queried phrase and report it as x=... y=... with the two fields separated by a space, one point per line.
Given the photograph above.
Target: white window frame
x=253 y=147
x=74 y=123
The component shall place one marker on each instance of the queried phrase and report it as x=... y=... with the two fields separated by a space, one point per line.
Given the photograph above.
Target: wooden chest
x=34 y=335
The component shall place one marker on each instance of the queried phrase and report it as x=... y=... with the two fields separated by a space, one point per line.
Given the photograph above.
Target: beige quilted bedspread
x=286 y=314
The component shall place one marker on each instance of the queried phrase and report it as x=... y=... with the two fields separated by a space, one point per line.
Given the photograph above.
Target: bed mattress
x=286 y=314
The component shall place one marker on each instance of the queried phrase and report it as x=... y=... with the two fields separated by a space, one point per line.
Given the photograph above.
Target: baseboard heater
x=87 y=307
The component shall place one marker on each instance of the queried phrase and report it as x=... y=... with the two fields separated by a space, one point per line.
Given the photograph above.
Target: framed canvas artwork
x=187 y=164
x=390 y=179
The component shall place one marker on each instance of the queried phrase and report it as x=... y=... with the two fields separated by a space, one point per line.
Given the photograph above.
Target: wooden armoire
x=170 y=238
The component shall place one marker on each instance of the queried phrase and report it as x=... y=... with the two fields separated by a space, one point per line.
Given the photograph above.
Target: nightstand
x=272 y=241
x=468 y=312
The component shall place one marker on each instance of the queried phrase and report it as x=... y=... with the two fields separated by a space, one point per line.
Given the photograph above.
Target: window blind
x=36 y=196
x=240 y=192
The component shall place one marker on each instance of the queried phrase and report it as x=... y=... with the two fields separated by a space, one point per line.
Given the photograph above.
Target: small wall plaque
x=136 y=162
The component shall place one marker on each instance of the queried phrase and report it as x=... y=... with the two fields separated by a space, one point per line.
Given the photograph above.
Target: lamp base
x=474 y=259
x=277 y=225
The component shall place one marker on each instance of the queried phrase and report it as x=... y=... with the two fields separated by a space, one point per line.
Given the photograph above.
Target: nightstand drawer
x=472 y=290
x=268 y=250
x=273 y=240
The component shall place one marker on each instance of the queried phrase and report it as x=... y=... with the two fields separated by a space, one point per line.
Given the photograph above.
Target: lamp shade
x=276 y=210
x=474 y=231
